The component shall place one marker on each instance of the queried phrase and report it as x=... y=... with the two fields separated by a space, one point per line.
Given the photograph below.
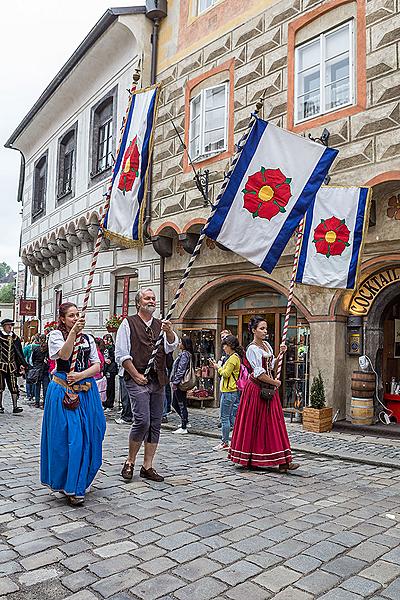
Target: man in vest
x=134 y=345
x=12 y=363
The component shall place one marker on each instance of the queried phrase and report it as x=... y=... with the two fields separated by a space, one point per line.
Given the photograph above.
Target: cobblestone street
x=210 y=531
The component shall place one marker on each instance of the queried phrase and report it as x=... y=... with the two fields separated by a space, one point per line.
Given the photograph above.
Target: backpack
x=244 y=373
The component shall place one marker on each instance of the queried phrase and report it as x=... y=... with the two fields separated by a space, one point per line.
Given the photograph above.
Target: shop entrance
x=271 y=305
x=390 y=359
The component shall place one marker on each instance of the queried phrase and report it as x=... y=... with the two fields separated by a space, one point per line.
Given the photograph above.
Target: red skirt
x=260 y=437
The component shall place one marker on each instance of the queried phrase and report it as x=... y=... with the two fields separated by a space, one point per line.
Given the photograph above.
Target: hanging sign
x=27 y=308
x=364 y=296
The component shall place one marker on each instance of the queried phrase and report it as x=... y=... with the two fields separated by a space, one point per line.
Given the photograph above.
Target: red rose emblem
x=130 y=167
x=331 y=237
x=266 y=193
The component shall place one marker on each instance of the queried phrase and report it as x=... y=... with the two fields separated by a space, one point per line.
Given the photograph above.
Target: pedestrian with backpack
x=182 y=377
x=230 y=393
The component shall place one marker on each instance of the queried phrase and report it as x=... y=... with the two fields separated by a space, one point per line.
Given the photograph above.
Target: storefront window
x=204 y=350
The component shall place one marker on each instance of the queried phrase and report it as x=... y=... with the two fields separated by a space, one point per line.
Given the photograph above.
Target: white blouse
x=255 y=354
x=56 y=342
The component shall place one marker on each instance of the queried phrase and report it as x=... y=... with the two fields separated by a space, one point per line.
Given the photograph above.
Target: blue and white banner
x=333 y=237
x=271 y=187
x=124 y=220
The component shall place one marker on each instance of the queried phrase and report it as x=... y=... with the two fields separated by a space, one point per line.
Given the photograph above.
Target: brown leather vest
x=143 y=339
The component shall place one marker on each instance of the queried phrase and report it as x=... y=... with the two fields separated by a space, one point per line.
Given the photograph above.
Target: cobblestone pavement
x=359 y=448
x=212 y=530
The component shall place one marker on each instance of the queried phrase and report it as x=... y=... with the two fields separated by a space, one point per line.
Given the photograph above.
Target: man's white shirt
x=123 y=342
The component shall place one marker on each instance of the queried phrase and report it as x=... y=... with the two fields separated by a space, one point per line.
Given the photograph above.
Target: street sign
x=27 y=308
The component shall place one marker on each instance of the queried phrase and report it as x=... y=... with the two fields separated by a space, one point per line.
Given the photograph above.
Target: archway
x=229 y=302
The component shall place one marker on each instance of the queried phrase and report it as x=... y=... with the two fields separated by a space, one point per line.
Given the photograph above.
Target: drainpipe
x=40 y=303
x=156 y=10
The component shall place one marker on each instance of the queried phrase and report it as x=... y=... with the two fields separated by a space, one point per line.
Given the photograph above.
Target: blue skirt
x=71 y=444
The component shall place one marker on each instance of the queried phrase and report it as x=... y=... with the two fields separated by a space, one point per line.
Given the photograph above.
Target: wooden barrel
x=362 y=411
x=363 y=384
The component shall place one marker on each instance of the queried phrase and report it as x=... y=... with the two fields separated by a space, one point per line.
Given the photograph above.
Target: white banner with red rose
x=333 y=237
x=270 y=189
x=124 y=220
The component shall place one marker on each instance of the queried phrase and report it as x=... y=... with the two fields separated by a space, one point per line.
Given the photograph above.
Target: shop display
x=295 y=388
x=204 y=350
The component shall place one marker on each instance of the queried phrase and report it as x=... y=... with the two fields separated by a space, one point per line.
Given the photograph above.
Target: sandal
x=127 y=471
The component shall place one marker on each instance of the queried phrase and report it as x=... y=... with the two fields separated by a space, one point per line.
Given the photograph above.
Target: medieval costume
x=11 y=361
x=71 y=444
x=260 y=437
x=135 y=341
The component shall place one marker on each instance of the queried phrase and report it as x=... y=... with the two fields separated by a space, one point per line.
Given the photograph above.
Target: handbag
x=33 y=375
x=189 y=379
x=267 y=391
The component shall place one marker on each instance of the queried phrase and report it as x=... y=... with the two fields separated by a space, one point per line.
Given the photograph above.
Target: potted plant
x=113 y=323
x=317 y=417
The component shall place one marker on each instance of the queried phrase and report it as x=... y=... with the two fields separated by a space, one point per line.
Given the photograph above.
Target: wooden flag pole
x=290 y=295
x=100 y=234
x=196 y=251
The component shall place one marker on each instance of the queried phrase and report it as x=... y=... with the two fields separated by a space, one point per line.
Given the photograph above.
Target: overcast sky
x=36 y=39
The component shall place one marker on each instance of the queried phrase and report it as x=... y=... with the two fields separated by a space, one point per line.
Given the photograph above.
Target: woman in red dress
x=260 y=438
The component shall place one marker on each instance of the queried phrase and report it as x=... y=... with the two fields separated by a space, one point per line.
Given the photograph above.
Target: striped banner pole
x=196 y=251
x=104 y=210
x=290 y=296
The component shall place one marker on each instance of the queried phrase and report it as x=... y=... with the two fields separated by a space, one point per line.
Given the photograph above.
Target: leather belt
x=75 y=387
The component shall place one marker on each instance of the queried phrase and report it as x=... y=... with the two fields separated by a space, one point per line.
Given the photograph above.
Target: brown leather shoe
x=288 y=467
x=127 y=471
x=150 y=474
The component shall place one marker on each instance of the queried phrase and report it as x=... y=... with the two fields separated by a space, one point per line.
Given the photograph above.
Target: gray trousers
x=147 y=409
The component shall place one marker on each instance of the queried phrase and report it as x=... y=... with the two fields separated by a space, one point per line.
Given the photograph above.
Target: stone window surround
x=226 y=72
x=63 y=197
x=38 y=214
x=321 y=38
x=296 y=29
x=93 y=137
x=119 y=273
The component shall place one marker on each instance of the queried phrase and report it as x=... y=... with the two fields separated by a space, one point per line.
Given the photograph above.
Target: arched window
x=39 y=187
x=102 y=138
x=66 y=164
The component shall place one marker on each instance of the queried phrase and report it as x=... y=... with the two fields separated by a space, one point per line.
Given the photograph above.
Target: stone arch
x=239 y=284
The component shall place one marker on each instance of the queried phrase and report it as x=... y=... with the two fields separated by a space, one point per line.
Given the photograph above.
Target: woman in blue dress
x=72 y=438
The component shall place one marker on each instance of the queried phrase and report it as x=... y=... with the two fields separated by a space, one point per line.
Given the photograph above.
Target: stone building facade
x=222 y=55
x=253 y=49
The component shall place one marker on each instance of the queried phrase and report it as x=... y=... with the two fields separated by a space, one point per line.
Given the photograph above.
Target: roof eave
x=94 y=34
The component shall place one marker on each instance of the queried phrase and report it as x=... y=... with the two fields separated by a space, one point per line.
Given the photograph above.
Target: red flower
x=266 y=193
x=331 y=237
x=130 y=167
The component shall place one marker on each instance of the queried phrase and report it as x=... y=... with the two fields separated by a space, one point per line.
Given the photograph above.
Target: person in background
x=101 y=381
x=169 y=361
x=229 y=399
x=40 y=359
x=12 y=363
x=224 y=356
x=126 y=417
x=110 y=369
x=179 y=368
x=29 y=387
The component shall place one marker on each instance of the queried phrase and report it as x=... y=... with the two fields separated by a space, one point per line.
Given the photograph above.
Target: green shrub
x=317 y=394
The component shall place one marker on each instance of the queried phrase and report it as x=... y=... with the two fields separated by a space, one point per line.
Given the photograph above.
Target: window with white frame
x=202 y=5
x=324 y=73
x=208 y=122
